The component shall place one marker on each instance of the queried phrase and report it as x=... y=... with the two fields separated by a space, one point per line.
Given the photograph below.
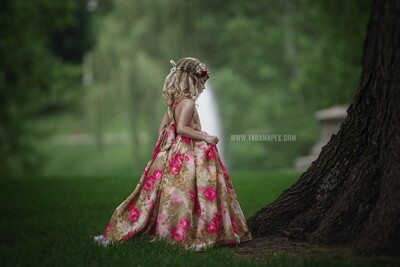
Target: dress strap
x=171 y=109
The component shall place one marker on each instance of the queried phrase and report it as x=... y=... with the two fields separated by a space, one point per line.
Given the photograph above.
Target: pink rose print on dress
x=149 y=183
x=175 y=163
x=151 y=180
x=185 y=140
x=189 y=161
x=156 y=149
x=191 y=195
x=163 y=132
x=184 y=223
x=157 y=174
x=197 y=208
x=210 y=193
x=213 y=226
x=230 y=186
x=178 y=233
x=134 y=213
x=217 y=218
x=108 y=228
x=210 y=153
x=173 y=127
x=225 y=173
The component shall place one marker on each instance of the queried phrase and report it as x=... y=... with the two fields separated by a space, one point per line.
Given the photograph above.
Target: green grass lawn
x=49 y=221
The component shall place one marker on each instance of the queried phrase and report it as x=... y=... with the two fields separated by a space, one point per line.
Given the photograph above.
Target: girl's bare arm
x=184 y=120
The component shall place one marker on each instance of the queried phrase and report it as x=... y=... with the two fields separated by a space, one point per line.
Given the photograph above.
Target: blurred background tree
x=273 y=64
x=41 y=49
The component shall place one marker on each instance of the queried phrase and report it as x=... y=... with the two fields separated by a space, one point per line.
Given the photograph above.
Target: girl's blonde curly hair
x=182 y=81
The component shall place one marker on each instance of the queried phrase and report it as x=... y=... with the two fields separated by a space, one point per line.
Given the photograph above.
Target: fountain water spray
x=209 y=117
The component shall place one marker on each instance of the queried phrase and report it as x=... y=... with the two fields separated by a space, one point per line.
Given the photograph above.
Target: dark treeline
x=42 y=45
x=35 y=69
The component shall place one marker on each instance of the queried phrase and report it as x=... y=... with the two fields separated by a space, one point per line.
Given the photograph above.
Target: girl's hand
x=210 y=139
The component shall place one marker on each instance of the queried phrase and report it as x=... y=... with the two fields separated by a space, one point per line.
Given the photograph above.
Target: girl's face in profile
x=203 y=75
x=202 y=84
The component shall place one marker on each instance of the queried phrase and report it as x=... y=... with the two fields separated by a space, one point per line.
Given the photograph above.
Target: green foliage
x=331 y=56
x=37 y=38
x=273 y=64
x=285 y=60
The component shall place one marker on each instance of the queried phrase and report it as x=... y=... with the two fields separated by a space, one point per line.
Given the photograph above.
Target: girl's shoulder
x=183 y=101
x=186 y=104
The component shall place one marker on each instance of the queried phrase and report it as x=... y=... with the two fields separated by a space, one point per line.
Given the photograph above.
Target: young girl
x=184 y=195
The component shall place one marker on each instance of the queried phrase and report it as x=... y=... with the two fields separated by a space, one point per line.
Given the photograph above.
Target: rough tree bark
x=351 y=193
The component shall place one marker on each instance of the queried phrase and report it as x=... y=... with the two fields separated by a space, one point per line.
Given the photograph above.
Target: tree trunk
x=351 y=193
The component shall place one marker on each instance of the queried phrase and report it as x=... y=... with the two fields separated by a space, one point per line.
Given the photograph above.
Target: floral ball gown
x=184 y=196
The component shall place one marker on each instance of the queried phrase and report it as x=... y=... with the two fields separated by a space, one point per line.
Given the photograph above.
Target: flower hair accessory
x=199 y=69
x=202 y=71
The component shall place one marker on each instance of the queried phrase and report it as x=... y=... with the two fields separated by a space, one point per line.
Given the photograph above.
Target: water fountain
x=209 y=117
